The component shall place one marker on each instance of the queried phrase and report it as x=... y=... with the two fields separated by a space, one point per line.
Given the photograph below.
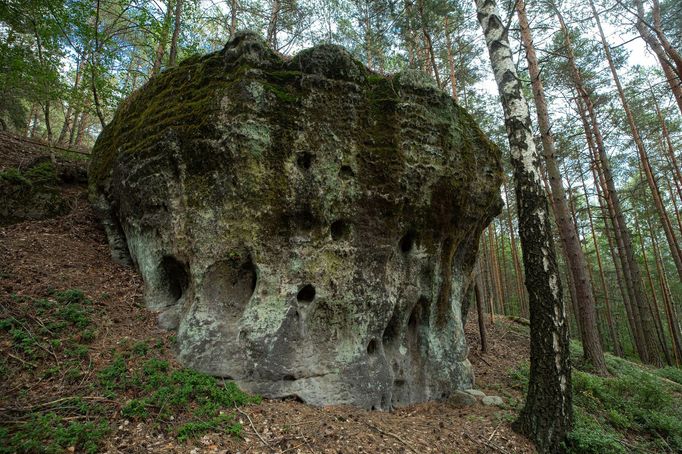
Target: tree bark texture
x=548 y=413
x=586 y=307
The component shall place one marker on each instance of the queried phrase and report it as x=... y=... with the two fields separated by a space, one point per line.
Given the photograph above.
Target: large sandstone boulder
x=307 y=226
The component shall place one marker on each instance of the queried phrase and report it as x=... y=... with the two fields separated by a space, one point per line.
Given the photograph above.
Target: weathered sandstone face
x=308 y=227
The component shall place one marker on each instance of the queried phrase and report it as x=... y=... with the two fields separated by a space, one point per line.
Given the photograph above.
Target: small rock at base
x=462 y=399
x=475 y=392
x=493 y=400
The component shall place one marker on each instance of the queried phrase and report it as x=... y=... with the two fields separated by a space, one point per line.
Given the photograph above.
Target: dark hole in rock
x=306 y=294
x=346 y=172
x=372 y=347
x=304 y=160
x=288 y=378
x=419 y=314
x=339 y=230
x=392 y=329
x=407 y=241
x=374 y=408
x=248 y=273
x=231 y=284
x=304 y=220
x=174 y=276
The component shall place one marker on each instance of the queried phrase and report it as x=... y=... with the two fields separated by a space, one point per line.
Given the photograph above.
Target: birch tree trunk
x=548 y=413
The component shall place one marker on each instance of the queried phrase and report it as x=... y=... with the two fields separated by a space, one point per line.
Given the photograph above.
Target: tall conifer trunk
x=586 y=307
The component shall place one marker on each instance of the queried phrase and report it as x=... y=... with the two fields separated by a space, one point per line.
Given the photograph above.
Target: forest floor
x=77 y=347
x=84 y=368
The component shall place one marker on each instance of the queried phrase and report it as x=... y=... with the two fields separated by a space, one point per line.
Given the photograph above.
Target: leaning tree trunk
x=647 y=35
x=587 y=310
x=675 y=250
x=548 y=413
x=647 y=344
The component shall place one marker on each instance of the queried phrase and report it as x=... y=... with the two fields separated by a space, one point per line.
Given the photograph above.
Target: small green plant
x=51 y=433
x=140 y=348
x=221 y=423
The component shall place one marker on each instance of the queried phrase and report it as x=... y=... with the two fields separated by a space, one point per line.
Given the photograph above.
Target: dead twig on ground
x=262 y=440
x=486 y=444
x=390 y=434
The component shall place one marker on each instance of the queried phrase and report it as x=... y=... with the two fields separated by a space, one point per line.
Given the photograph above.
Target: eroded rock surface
x=306 y=226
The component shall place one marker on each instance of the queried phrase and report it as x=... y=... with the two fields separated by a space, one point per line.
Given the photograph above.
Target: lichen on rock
x=307 y=226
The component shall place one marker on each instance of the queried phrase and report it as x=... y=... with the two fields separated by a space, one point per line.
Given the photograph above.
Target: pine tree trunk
x=547 y=415
x=675 y=250
x=654 y=298
x=480 y=301
x=233 y=18
x=495 y=268
x=173 y=54
x=673 y=79
x=677 y=173
x=272 y=23
x=587 y=312
x=161 y=45
x=617 y=349
x=451 y=61
x=648 y=345
x=669 y=49
x=520 y=288
x=68 y=123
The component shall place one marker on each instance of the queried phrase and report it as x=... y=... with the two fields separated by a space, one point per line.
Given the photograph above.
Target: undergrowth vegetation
x=47 y=347
x=635 y=409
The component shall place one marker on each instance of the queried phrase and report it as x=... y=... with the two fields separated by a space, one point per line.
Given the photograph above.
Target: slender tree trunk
x=669 y=49
x=173 y=55
x=548 y=413
x=648 y=349
x=94 y=64
x=83 y=123
x=677 y=173
x=504 y=269
x=605 y=290
x=46 y=103
x=675 y=250
x=520 y=288
x=673 y=323
x=272 y=24
x=35 y=120
x=495 y=268
x=575 y=258
x=163 y=39
x=68 y=123
x=668 y=69
x=654 y=298
x=428 y=42
x=480 y=301
x=233 y=17
x=451 y=60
